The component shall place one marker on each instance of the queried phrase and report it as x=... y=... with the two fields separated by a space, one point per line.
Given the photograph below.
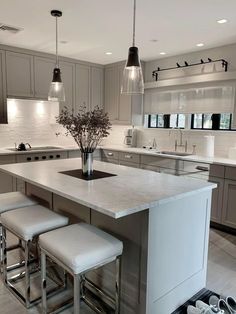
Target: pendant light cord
x=134 y=23
x=57 y=63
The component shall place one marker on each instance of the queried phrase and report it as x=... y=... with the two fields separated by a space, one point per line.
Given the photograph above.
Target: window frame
x=216 y=117
x=166 y=118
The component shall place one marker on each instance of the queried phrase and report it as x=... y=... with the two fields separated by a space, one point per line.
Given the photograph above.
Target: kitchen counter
x=130 y=191
x=162 y=220
x=7 y=151
x=153 y=152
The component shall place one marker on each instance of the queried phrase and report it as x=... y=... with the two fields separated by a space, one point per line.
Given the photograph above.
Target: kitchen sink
x=165 y=152
x=37 y=148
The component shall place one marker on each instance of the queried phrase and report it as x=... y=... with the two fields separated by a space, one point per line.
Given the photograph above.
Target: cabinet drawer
x=8 y=159
x=218 y=171
x=74 y=154
x=130 y=157
x=230 y=173
x=158 y=161
x=152 y=168
x=110 y=154
x=196 y=168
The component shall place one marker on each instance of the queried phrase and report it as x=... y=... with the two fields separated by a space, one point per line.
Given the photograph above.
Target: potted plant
x=87 y=128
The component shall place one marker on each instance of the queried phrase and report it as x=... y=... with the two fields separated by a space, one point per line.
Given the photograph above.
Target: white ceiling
x=93 y=27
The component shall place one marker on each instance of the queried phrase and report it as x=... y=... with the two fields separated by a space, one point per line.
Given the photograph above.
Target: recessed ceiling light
x=154 y=40
x=63 y=41
x=200 y=45
x=163 y=53
x=108 y=53
x=222 y=21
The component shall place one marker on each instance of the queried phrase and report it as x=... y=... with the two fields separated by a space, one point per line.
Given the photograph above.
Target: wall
x=29 y=121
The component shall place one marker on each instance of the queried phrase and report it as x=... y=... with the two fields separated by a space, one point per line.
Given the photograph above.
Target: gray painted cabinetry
x=20 y=74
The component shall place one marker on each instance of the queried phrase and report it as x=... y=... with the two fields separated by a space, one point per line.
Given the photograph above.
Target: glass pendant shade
x=56 y=90
x=132 y=83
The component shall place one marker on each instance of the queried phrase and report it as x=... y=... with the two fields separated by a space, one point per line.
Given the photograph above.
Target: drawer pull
x=110 y=154
x=202 y=168
x=128 y=156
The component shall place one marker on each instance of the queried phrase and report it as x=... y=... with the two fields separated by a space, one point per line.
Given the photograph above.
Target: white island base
x=165 y=250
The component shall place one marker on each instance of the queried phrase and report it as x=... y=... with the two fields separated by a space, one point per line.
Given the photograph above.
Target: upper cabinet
x=19 y=69
x=3 y=99
x=68 y=78
x=43 y=71
x=122 y=109
x=97 y=87
x=82 y=86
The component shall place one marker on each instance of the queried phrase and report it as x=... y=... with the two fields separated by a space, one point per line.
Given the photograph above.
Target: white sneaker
x=205 y=308
x=231 y=302
x=215 y=304
x=193 y=310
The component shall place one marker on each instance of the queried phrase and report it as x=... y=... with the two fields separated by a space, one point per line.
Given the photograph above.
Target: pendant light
x=56 y=91
x=132 y=76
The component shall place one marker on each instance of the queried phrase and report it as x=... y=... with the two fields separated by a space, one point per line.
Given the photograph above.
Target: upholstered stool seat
x=27 y=223
x=14 y=200
x=79 y=248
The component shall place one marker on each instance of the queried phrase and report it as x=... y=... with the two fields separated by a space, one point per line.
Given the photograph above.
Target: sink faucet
x=181 y=144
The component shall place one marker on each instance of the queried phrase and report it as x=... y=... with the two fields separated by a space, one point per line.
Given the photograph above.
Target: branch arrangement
x=87 y=128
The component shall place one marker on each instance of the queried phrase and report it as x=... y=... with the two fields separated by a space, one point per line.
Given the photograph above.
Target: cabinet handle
x=128 y=156
x=110 y=154
x=202 y=168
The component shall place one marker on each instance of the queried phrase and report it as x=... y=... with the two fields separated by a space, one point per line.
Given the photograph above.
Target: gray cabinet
x=7 y=182
x=82 y=86
x=111 y=92
x=229 y=204
x=97 y=87
x=124 y=102
x=68 y=78
x=20 y=74
x=43 y=71
x=3 y=98
x=217 y=199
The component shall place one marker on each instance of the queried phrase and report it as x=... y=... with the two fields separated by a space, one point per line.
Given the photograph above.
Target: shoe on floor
x=214 y=304
x=194 y=310
x=231 y=302
x=205 y=308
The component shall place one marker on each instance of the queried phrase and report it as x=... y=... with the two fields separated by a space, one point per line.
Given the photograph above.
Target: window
x=166 y=121
x=212 y=121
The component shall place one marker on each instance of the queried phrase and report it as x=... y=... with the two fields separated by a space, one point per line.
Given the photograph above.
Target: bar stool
x=80 y=248
x=10 y=201
x=27 y=223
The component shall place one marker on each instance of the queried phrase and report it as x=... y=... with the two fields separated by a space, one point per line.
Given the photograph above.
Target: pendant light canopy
x=132 y=83
x=56 y=91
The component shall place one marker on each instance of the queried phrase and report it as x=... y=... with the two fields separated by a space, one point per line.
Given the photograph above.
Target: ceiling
x=93 y=27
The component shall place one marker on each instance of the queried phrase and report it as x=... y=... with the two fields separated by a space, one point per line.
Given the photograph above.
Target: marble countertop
x=7 y=151
x=153 y=152
x=130 y=191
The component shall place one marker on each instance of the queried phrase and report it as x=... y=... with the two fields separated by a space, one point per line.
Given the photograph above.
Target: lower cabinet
x=129 y=164
x=229 y=204
x=7 y=182
x=217 y=199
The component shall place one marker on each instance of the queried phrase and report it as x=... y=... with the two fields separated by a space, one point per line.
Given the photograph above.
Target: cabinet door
x=82 y=86
x=3 y=97
x=43 y=72
x=111 y=93
x=68 y=78
x=229 y=204
x=7 y=182
x=19 y=68
x=97 y=87
x=124 y=107
x=217 y=199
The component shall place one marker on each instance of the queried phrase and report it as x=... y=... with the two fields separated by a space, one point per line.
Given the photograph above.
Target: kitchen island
x=162 y=220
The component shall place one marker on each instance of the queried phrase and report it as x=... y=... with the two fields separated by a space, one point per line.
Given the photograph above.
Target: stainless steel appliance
x=130 y=137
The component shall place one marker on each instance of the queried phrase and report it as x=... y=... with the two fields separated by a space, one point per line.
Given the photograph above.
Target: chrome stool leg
x=77 y=294
x=118 y=281
x=4 y=256
x=44 y=283
x=27 y=274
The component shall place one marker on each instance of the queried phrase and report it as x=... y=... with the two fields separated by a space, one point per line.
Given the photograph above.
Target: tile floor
x=221 y=276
